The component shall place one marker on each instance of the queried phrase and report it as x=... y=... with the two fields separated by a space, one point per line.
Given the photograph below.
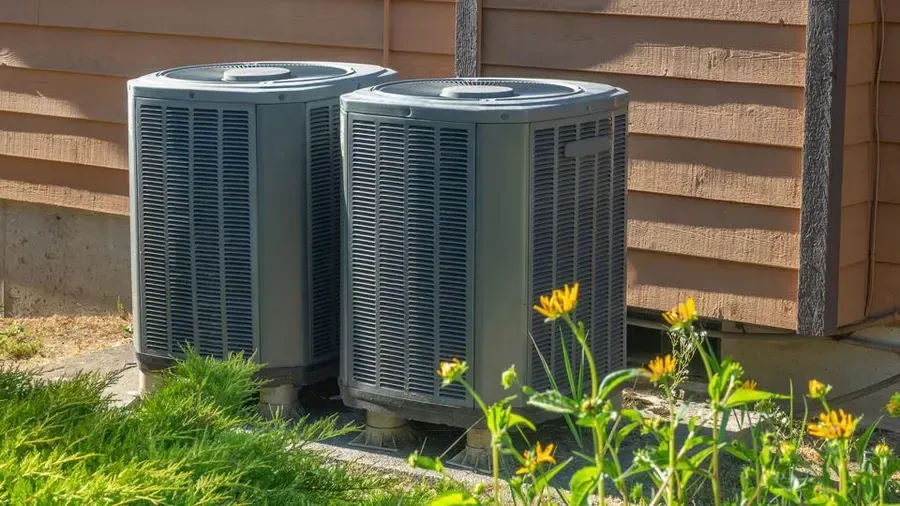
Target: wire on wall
x=876 y=177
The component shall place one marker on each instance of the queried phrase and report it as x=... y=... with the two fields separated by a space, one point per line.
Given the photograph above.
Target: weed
x=16 y=343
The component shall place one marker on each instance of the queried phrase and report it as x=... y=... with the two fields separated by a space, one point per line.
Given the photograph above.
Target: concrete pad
x=115 y=359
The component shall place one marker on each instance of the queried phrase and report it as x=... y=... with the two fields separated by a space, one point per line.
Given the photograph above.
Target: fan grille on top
x=522 y=88
x=298 y=71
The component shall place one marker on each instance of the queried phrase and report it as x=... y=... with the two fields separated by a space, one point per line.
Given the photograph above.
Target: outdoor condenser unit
x=465 y=200
x=235 y=212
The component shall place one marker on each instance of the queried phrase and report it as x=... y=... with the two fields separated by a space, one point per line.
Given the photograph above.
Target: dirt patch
x=62 y=336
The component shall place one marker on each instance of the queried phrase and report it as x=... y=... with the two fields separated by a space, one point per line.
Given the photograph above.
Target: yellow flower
x=559 y=303
x=893 y=406
x=661 y=367
x=540 y=456
x=452 y=371
x=882 y=450
x=834 y=425
x=750 y=385
x=682 y=315
x=817 y=389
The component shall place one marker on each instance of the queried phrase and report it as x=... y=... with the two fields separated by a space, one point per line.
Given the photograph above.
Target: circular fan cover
x=482 y=89
x=257 y=73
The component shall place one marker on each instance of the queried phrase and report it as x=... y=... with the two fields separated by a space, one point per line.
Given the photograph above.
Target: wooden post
x=468 y=38
x=823 y=159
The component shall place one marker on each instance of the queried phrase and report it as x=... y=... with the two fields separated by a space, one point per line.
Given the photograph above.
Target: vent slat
x=578 y=209
x=618 y=242
x=409 y=260
x=194 y=228
x=324 y=159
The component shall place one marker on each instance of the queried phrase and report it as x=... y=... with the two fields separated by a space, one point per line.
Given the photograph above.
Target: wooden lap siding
x=887 y=247
x=717 y=134
x=856 y=194
x=64 y=65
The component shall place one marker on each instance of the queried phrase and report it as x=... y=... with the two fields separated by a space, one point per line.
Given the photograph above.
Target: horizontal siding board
x=714 y=229
x=861 y=54
x=64 y=140
x=887 y=240
x=858 y=114
x=863 y=11
x=891 y=11
x=19 y=11
x=416 y=26
x=891 y=63
x=63 y=94
x=53 y=195
x=715 y=170
x=64 y=184
x=89 y=178
x=419 y=65
x=423 y=27
x=347 y=23
x=790 y=12
x=889 y=112
x=852 y=280
x=885 y=295
x=856 y=186
x=735 y=112
x=122 y=54
x=889 y=175
x=854 y=234
x=736 y=52
x=132 y=54
x=724 y=290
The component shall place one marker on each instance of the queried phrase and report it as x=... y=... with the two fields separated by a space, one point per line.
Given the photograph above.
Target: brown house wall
x=886 y=293
x=856 y=198
x=64 y=65
x=716 y=117
x=717 y=133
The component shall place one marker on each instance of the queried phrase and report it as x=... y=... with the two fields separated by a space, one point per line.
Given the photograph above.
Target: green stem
x=842 y=463
x=672 y=482
x=717 y=493
x=495 y=467
x=579 y=335
x=599 y=450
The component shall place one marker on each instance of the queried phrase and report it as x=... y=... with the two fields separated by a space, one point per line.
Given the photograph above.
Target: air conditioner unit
x=465 y=200
x=235 y=212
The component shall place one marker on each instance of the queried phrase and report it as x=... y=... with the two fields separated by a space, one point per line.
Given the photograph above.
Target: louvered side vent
x=618 y=244
x=195 y=228
x=570 y=242
x=325 y=229
x=410 y=261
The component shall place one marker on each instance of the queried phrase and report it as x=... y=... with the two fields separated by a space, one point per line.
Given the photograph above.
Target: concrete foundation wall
x=62 y=260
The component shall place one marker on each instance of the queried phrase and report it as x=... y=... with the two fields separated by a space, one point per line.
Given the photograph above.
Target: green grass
x=197 y=440
x=16 y=343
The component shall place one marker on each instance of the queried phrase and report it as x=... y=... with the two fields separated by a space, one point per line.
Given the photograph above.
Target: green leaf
x=864 y=440
x=421 y=462
x=582 y=484
x=614 y=379
x=553 y=402
x=544 y=481
x=744 y=396
x=515 y=420
x=739 y=451
x=454 y=499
